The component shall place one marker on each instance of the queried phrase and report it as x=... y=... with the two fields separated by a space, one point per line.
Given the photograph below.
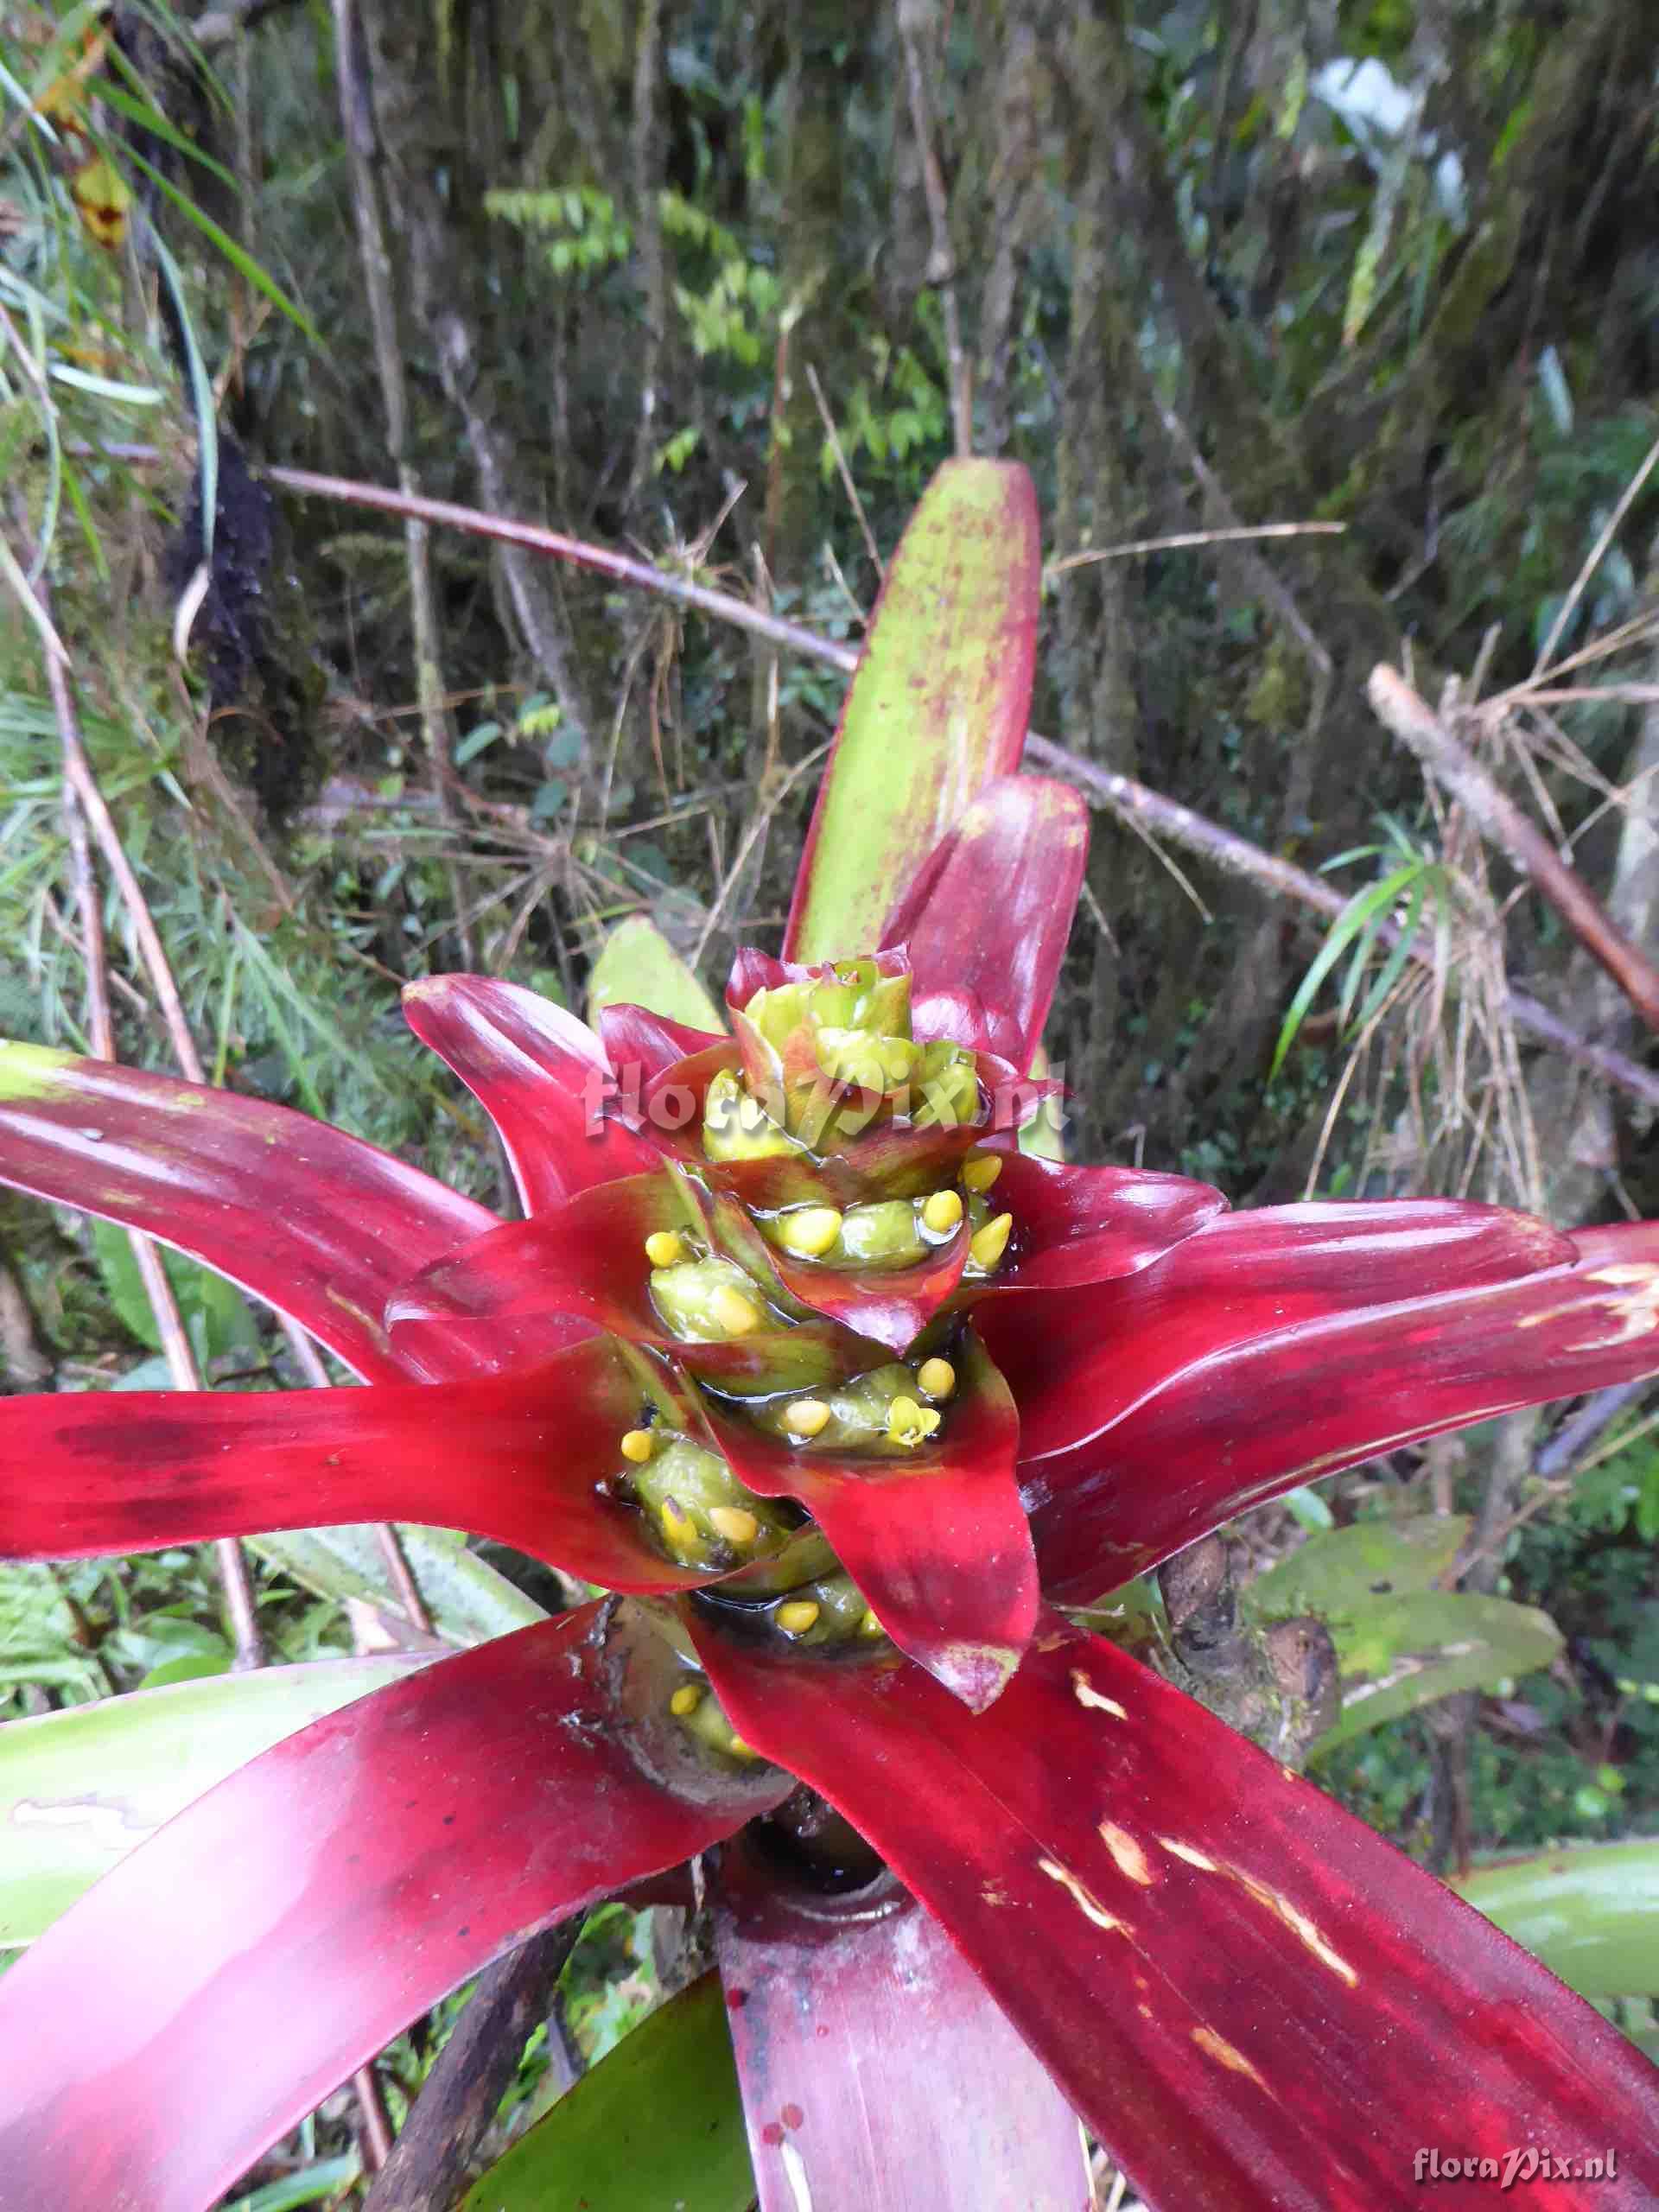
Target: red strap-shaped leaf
x=588 y=1259
x=1088 y=1225
x=890 y=1305
x=989 y=911
x=876 y=2072
x=1252 y=2000
x=936 y=1539
x=938 y=705
x=541 y=1075
x=520 y=1457
x=1209 y=1394
x=1078 y=1359
x=319 y=1223
x=646 y=1045
x=215 y=1986
x=460 y=1351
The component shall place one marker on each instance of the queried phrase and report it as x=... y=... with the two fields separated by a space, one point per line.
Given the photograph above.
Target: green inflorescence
x=824 y=1057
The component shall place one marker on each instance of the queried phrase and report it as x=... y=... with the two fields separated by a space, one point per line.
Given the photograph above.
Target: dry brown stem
x=1502 y=824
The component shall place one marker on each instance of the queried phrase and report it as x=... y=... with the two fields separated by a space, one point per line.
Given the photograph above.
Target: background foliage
x=724 y=284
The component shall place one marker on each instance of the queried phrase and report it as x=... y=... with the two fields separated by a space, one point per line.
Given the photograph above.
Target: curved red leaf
x=891 y=1305
x=541 y=1075
x=1187 y=1410
x=876 y=2072
x=1254 y=2001
x=990 y=909
x=1075 y=1226
x=321 y=1225
x=936 y=1540
x=636 y=1039
x=1079 y=1359
x=662 y=1099
x=463 y=1349
x=216 y=1985
x=587 y=1259
x=522 y=1458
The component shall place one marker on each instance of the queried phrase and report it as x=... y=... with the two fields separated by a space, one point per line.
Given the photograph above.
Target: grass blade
x=1368 y=900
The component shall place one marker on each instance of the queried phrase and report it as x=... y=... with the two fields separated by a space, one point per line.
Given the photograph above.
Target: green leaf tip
x=29 y=1071
x=638 y=966
x=938 y=705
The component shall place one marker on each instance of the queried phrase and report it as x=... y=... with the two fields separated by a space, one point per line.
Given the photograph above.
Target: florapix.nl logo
x=638 y=1099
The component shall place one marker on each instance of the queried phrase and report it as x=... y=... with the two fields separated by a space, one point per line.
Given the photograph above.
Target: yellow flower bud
x=810 y=1231
x=685 y=1699
x=738 y=1315
x=637 y=1444
x=981 y=1172
x=798 y=1616
x=870 y=1626
x=663 y=1248
x=942 y=1212
x=908 y=1423
x=806 y=1416
x=679 y=1528
x=938 y=1377
x=990 y=1243
x=739 y=1749
x=734 y=1524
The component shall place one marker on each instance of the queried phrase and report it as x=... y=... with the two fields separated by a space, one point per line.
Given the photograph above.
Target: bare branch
x=432 y=2158
x=1122 y=794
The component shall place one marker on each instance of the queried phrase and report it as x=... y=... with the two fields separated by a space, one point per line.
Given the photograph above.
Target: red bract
x=798 y=1347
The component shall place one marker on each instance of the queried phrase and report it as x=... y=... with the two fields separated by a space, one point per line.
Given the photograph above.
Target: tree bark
x=431 y=196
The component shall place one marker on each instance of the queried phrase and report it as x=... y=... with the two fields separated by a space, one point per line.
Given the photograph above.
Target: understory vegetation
x=717 y=288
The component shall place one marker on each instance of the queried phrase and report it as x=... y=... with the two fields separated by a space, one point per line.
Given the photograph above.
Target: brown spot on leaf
x=1223 y=2052
x=1127 y=1854
x=1089 y=1905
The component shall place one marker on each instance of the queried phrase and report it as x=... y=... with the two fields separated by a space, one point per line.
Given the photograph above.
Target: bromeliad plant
x=848 y=1397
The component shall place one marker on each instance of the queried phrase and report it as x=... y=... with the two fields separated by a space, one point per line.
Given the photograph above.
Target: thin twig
x=1576 y=1436
x=1186 y=539
x=181 y=1362
x=1271 y=587
x=1615 y=1445
x=1122 y=794
x=79 y=775
x=1592 y=560
x=362 y=151
x=845 y=474
x=763 y=814
x=1502 y=823
x=402 y=1577
x=941 y=266
x=377 y=2122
